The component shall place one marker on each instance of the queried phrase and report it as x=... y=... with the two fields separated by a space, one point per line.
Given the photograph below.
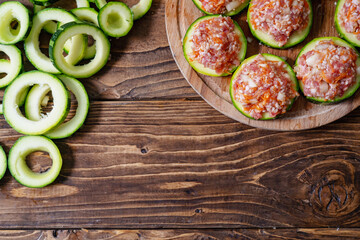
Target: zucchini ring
x=3 y=162
x=32 y=48
x=38 y=93
x=86 y=15
x=13 y=67
x=116 y=19
x=14 y=91
x=66 y=32
x=17 y=161
x=13 y=11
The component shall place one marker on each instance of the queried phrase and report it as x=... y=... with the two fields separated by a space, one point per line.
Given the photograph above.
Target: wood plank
x=181 y=164
x=141 y=64
x=183 y=234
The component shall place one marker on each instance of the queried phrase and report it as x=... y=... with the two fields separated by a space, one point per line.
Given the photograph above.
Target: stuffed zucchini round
x=328 y=70
x=214 y=45
x=263 y=87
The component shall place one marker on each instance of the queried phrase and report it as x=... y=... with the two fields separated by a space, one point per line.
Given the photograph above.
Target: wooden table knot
x=333 y=192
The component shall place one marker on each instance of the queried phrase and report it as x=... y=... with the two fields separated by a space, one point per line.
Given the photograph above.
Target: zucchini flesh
x=51 y=26
x=77 y=49
x=13 y=67
x=13 y=92
x=32 y=49
x=87 y=15
x=116 y=19
x=13 y=11
x=3 y=162
x=100 y=3
x=38 y=93
x=141 y=8
x=22 y=97
x=310 y=46
x=82 y=3
x=34 y=100
x=69 y=30
x=44 y=3
x=45 y=101
x=69 y=128
x=17 y=161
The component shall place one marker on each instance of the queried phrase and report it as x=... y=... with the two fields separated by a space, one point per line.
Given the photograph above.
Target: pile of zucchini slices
x=37 y=103
x=264 y=86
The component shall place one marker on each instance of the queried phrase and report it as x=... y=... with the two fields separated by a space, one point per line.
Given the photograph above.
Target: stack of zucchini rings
x=79 y=48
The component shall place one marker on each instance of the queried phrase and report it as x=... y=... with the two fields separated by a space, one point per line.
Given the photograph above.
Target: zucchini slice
x=38 y=93
x=32 y=49
x=33 y=101
x=199 y=67
x=348 y=36
x=13 y=11
x=45 y=101
x=100 y=3
x=138 y=10
x=51 y=26
x=17 y=161
x=268 y=57
x=69 y=128
x=141 y=8
x=13 y=67
x=348 y=93
x=267 y=39
x=44 y=3
x=116 y=19
x=232 y=8
x=82 y=3
x=86 y=14
x=3 y=162
x=89 y=15
x=21 y=100
x=22 y=97
x=13 y=92
x=69 y=30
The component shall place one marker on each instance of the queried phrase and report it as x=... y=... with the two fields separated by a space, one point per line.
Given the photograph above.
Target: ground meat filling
x=220 y=6
x=328 y=71
x=216 y=45
x=349 y=17
x=279 y=18
x=264 y=86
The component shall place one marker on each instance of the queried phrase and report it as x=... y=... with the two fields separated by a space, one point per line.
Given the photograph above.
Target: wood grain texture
x=183 y=234
x=215 y=90
x=141 y=65
x=181 y=164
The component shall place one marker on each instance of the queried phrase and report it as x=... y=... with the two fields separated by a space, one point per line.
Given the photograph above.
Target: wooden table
x=154 y=161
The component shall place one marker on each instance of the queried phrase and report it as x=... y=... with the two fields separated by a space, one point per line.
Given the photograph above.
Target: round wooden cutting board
x=179 y=14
